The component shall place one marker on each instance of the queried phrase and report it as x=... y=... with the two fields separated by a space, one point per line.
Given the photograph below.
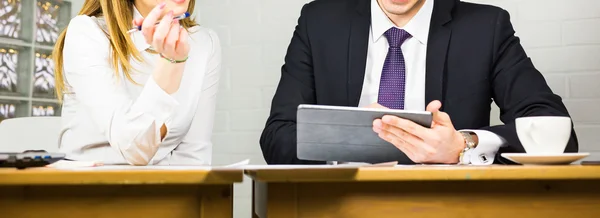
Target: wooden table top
x=426 y=173
x=49 y=176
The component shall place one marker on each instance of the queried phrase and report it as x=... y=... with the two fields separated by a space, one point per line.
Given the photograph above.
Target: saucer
x=544 y=159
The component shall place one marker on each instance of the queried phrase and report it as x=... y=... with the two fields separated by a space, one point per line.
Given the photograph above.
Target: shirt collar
x=136 y=13
x=418 y=26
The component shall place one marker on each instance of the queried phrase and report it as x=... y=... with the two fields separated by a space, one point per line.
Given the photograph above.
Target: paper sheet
x=427 y=165
x=290 y=167
x=74 y=164
x=338 y=166
x=89 y=167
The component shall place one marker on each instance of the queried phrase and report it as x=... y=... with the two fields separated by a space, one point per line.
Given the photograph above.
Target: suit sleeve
x=296 y=86
x=519 y=89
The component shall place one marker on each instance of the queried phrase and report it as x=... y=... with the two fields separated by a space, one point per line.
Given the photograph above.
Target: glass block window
x=44 y=109
x=47 y=15
x=8 y=69
x=7 y=110
x=28 y=31
x=43 y=76
x=10 y=18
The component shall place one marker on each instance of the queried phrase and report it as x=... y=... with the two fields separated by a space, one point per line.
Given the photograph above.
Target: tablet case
x=331 y=133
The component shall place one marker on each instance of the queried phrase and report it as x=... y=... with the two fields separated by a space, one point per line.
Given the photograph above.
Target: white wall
x=562 y=38
x=254 y=35
x=76 y=6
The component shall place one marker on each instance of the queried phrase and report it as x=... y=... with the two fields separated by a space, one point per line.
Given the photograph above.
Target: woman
x=140 y=98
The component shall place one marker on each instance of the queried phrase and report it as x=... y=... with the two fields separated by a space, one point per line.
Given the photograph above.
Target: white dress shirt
x=107 y=118
x=415 y=55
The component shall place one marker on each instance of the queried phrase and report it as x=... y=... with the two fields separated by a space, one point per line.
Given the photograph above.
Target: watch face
x=468 y=140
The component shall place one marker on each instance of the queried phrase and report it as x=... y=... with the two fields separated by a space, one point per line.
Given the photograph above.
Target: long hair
x=118 y=15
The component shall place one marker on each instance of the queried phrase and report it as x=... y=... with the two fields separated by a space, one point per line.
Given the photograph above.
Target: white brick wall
x=562 y=38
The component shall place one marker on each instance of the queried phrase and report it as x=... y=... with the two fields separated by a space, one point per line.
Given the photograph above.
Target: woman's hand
x=170 y=40
x=168 y=37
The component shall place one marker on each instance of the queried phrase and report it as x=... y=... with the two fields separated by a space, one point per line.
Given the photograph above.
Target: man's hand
x=439 y=144
x=375 y=105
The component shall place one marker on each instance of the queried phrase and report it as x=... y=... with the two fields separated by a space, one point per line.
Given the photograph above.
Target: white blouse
x=107 y=118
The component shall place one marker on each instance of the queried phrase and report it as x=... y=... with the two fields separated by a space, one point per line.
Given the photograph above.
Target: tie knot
x=396 y=36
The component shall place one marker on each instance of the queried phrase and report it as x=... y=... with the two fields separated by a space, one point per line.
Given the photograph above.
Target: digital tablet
x=345 y=134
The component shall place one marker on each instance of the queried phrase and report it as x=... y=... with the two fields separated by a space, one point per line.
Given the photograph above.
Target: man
x=445 y=56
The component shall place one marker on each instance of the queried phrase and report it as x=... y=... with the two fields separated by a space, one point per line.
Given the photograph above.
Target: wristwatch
x=465 y=157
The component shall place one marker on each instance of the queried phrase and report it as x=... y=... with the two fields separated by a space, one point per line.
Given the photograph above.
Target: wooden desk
x=428 y=191
x=48 y=192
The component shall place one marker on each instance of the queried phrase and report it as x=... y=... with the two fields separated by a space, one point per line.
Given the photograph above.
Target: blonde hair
x=118 y=15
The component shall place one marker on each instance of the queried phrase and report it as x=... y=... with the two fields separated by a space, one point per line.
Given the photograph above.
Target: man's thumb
x=434 y=106
x=438 y=116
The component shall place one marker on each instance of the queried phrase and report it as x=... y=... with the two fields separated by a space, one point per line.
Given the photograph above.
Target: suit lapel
x=437 y=49
x=358 y=47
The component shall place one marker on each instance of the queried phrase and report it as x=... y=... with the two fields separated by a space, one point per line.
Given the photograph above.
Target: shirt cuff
x=154 y=101
x=488 y=146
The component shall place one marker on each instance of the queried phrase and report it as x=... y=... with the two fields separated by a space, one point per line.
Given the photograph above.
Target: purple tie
x=393 y=76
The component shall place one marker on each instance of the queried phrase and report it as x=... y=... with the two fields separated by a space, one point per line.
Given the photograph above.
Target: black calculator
x=28 y=159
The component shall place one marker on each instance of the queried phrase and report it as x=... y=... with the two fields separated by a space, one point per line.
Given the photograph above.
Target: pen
x=180 y=17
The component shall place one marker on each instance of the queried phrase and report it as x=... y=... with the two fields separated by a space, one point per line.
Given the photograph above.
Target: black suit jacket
x=473 y=59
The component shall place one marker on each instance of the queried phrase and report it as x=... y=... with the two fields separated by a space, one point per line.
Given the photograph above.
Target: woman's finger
x=148 y=26
x=182 y=48
x=161 y=31
x=137 y=21
x=171 y=40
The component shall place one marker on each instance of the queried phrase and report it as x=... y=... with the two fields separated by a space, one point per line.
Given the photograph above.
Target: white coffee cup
x=544 y=135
